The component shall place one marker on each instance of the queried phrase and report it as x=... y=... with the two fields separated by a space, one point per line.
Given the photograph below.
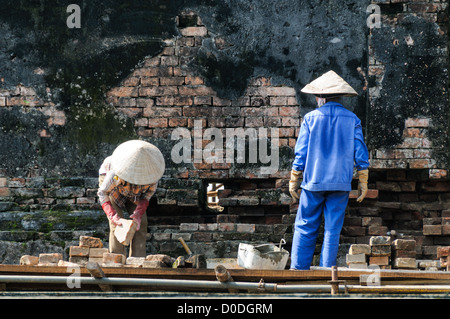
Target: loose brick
x=357 y=266
x=50 y=258
x=97 y=252
x=403 y=254
x=91 y=242
x=381 y=250
x=404 y=244
x=79 y=260
x=165 y=259
x=379 y=240
x=443 y=251
x=405 y=263
x=79 y=251
x=153 y=264
x=29 y=260
x=356 y=259
x=113 y=258
x=380 y=260
x=135 y=261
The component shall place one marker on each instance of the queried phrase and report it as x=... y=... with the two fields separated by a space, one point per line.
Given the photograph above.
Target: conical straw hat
x=138 y=162
x=329 y=84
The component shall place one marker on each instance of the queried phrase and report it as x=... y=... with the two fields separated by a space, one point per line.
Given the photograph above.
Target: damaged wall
x=70 y=96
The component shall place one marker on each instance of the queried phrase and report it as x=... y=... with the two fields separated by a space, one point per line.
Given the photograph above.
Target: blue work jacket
x=329 y=146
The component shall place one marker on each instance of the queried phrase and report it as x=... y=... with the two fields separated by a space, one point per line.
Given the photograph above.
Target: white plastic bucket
x=265 y=256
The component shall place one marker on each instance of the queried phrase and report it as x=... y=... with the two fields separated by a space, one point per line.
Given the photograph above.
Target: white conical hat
x=329 y=83
x=138 y=162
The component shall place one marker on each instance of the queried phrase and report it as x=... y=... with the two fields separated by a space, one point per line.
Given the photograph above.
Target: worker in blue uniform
x=329 y=146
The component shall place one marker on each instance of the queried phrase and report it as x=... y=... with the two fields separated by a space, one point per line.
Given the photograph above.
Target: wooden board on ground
x=247 y=275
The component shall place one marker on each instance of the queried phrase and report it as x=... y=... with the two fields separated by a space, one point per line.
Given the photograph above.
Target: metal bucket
x=264 y=256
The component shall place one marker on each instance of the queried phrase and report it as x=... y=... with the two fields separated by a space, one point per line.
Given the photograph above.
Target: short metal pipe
x=400 y=289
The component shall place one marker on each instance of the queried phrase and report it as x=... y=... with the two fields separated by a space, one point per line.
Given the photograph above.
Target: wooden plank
x=96 y=272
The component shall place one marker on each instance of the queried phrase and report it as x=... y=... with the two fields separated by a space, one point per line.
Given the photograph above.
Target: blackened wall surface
x=291 y=41
x=414 y=84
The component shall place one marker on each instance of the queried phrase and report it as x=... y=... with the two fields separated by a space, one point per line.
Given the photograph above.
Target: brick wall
x=409 y=191
x=165 y=94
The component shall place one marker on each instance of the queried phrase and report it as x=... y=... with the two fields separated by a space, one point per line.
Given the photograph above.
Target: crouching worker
x=329 y=146
x=128 y=179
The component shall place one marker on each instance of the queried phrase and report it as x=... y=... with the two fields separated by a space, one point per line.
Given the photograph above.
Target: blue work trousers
x=332 y=205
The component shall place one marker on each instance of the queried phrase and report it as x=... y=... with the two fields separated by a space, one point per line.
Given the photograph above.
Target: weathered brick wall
x=166 y=94
x=409 y=187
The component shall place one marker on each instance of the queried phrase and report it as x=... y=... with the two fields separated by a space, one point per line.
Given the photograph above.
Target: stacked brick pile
x=404 y=254
x=357 y=256
x=90 y=249
x=382 y=253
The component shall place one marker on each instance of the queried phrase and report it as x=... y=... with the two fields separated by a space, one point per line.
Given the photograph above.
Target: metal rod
x=179 y=283
x=400 y=289
x=167 y=283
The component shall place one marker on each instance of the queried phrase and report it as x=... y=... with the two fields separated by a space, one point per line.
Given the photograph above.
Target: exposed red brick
x=290 y=121
x=149 y=81
x=438 y=173
x=425 y=7
x=156 y=111
x=130 y=111
x=417 y=122
x=193 y=80
x=194 y=32
x=158 y=91
x=432 y=230
x=196 y=90
x=289 y=111
x=421 y=163
x=177 y=122
x=122 y=91
x=157 y=122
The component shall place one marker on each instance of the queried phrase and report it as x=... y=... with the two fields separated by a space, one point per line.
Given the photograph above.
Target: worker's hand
x=140 y=210
x=111 y=213
x=294 y=183
x=363 y=176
